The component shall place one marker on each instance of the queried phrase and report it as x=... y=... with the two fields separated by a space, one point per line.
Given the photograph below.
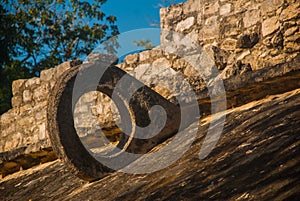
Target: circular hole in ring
x=99 y=124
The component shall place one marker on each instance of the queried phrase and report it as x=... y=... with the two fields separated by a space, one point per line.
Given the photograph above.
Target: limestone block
x=270 y=25
x=279 y=59
x=270 y=6
x=225 y=9
x=47 y=75
x=290 y=12
x=60 y=69
x=42 y=131
x=7 y=117
x=210 y=29
x=159 y=63
x=211 y=7
x=131 y=59
x=40 y=93
x=26 y=121
x=163 y=12
x=16 y=101
x=18 y=87
x=40 y=114
x=140 y=70
x=243 y=55
x=293 y=38
x=27 y=96
x=185 y=24
x=25 y=108
x=229 y=44
x=175 y=11
x=179 y=64
x=291 y=31
x=10 y=130
x=190 y=71
x=32 y=83
x=144 y=55
x=192 y=6
x=291 y=47
x=252 y=17
x=200 y=19
x=247 y=40
x=231 y=25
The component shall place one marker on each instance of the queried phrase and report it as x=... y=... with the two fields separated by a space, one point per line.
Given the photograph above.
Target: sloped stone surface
x=256 y=158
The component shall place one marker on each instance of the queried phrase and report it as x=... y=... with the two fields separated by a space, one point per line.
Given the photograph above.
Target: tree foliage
x=38 y=34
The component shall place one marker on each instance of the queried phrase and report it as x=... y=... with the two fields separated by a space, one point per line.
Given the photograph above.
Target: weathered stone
x=185 y=24
x=243 y=55
x=7 y=117
x=200 y=19
x=279 y=59
x=248 y=40
x=211 y=7
x=277 y=40
x=47 y=75
x=131 y=59
x=40 y=93
x=291 y=31
x=160 y=64
x=27 y=96
x=291 y=47
x=270 y=25
x=229 y=44
x=293 y=38
x=220 y=57
x=268 y=51
x=270 y=6
x=32 y=83
x=210 y=29
x=18 y=87
x=143 y=56
x=251 y=18
x=9 y=131
x=290 y=12
x=225 y=9
x=190 y=71
x=16 y=101
x=40 y=114
x=140 y=102
x=179 y=64
x=175 y=11
x=25 y=108
x=60 y=69
x=26 y=121
x=191 y=6
x=140 y=70
x=231 y=26
x=42 y=131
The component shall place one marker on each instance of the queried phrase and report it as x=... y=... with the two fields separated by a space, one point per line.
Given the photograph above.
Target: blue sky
x=134 y=19
x=134 y=14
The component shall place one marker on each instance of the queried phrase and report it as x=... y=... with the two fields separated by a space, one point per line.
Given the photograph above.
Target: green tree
x=39 y=34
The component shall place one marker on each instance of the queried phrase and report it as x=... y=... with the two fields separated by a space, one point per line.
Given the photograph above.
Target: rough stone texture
x=222 y=23
x=270 y=26
x=257 y=158
x=255 y=46
x=23 y=127
x=63 y=133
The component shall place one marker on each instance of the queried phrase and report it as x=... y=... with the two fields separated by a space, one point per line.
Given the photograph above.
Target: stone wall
x=23 y=128
x=261 y=33
x=239 y=36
